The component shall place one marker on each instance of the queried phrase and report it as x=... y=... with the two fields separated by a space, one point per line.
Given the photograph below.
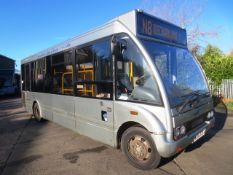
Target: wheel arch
x=37 y=102
x=147 y=121
x=124 y=127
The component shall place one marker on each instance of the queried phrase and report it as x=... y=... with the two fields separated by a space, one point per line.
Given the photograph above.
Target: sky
x=29 y=26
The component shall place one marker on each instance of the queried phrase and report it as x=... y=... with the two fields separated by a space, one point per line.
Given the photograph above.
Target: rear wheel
x=139 y=148
x=36 y=112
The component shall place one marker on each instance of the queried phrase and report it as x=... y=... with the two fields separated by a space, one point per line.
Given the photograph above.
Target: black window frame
x=90 y=44
x=71 y=50
x=115 y=78
x=27 y=77
x=73 y=63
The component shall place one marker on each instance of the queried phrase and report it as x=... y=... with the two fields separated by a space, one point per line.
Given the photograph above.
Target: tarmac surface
x=31 y=148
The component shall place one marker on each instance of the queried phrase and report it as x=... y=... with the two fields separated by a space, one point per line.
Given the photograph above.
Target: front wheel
x=139 y=148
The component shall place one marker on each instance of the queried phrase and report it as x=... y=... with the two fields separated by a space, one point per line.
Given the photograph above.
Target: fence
x=225 y=89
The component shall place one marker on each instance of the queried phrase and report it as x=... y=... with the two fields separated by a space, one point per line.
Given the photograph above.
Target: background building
x=9 y=79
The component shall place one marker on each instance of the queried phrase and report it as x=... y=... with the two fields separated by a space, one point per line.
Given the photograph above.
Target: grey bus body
x=172 y=124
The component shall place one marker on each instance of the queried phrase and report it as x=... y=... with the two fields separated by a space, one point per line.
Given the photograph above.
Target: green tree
x=216 y=64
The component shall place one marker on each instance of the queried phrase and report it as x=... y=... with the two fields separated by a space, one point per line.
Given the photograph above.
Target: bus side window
x=85 y=72
x=62 y=73
x=48 y=82
x=27 y=77
x=134 y=81
x=94 y=70
x=37 y=74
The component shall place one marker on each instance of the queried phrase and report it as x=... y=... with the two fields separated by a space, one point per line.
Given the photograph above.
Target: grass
x=228 y=103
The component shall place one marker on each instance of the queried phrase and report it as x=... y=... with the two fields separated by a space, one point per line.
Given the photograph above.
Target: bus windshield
x=179 y=70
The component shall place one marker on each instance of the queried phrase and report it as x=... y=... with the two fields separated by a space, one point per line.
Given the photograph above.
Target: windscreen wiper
x=191 y=98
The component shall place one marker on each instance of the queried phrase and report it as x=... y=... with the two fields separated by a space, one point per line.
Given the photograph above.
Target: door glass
x=134 y=81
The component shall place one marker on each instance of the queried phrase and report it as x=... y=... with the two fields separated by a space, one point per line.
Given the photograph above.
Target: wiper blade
x=206 y=94
x=191 y=98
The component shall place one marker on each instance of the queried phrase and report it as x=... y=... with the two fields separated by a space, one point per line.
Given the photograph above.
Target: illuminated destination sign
x=158 y=29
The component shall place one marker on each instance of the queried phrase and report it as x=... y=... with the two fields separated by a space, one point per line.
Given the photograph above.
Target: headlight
x=210 y=114
x=182 y=130
x=179 y=132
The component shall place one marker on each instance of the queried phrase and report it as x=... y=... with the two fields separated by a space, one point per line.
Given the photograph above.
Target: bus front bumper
x=168 y=149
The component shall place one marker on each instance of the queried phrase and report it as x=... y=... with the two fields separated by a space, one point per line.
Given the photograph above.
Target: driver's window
x=134 y=81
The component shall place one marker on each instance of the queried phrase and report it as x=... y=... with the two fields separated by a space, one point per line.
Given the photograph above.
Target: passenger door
x=94 y=91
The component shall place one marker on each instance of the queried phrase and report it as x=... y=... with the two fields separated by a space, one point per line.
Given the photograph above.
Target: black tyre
x=139 y=148
x=36 y=112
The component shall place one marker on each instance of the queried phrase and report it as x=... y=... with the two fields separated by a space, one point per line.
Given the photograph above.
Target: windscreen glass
x=179 y=70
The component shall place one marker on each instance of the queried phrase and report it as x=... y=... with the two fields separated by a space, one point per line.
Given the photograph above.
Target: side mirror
x=118 y=46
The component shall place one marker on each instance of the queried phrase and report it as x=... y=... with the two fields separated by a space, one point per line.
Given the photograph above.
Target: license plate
x=199 y=135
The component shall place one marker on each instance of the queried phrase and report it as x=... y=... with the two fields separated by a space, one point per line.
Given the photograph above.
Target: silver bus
x=130 y=83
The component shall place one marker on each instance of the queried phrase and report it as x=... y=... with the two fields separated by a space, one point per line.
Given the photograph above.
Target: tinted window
x=27 y=77
x=62 y=74
x=94 y=70
x=38 y=75
x=48 y=82
x=103 y=62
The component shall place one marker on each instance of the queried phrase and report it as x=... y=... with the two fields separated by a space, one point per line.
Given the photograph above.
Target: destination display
x=155 y=28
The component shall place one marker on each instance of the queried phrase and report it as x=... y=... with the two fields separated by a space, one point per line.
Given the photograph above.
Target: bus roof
x=137 y=22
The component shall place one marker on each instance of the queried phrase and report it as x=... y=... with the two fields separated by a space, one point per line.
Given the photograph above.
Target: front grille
x=195 y=123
